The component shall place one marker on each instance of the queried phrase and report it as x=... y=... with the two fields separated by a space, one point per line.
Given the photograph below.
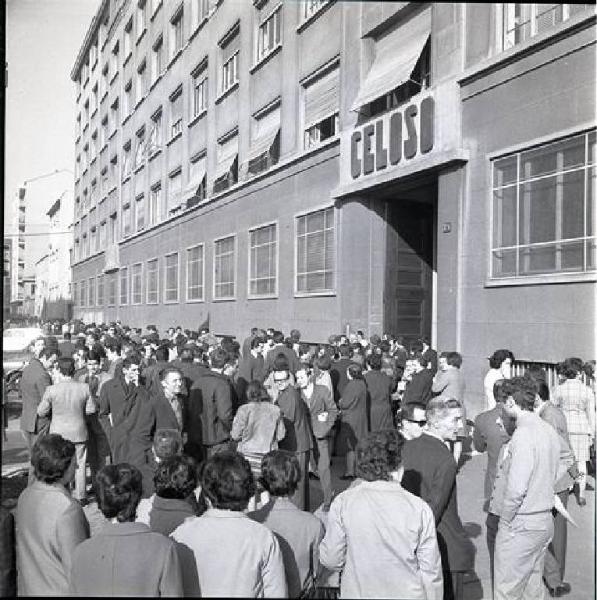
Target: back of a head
x=278 y=337
x=454 y=359
x=379 y=454
x=256 y=392
x=571 y=367
x=323 y=363
x=524 y=391
x=219 y=358
x=186 y=355
x=66 y=366
x=280 y=473
x=119 y=490
x=176 y=477
x=162 y=354
x=502 y=390
x=167 y=443
x=355 y=371
x=499 y=356
x=227 y=481
x=51 y=456
x=344 y=350
x=374 y=361
x=281 y=363
x=295 y=335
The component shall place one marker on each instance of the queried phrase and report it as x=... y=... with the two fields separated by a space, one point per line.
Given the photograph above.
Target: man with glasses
x=413 y=420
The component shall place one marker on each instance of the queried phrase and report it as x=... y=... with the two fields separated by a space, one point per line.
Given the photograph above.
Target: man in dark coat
x=379 y=390
x=418 y=389
x=8 y=563
x=251 y=367
x=66 y=347
x=34 y=381
x=280 y=347
x=151 y=375
x=338 y=371
x=430 y=473
x=210 y=409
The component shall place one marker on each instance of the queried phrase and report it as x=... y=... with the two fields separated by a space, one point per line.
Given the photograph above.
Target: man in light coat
x=68 y=402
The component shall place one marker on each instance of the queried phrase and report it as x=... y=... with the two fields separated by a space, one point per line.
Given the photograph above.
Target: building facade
x=6 y=277
x=17 y=288
x=420 y=169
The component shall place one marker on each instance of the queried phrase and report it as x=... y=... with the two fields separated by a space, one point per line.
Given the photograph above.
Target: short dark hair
x=66 y=366
x=281 y=363
x=571 y=367
x=49 y=351
x=355 y=371
x=344 y=350
x=161 y=353
x=93 y=355
x=256 y=341
x=256 y=392
x=384 y=346
x=186 y=354
x=219 y=358
x=227 y=481
x=408 y=410
x=51 y=456
x=167 y=443
x=454 y=359
x=278 y=337
x=499 y=356
x=374 y=361
x=502 y=389
x=280 y=473
x=176 y=477
x=119 y=490
x=379 y=454
x=295 y=335
x=324 y=363
x=113 y=346
x=524 y=391
x=66 y=335
x=167 y=370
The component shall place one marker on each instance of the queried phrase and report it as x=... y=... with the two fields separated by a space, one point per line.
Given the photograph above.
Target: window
x=200 y=90
x=104 y=81
x=94 y=240
x=199 y=12
x=141 y=81
x=229 y=49
x=93 y=54
x=321 y=103
x=195 y=273
x=151 y=285
x=126 y=220
x=113 y=228
x=100 y=290
x=104 y=132
x=129 y=100
x=124 y=286
x=157 y=59
x=85 y=248
x=265 y=141
x=114 y=60
x=78 y=125
x=310 y=7
x=91 y=296
x=171 y=278
x=112 y=289
x=315 y=255
x=140 y=151
x=128 y=36
x=113 y=179
x=94 y=99
x=174 y=190
x=140 y=212
x=176 y=23
x=141 y=18
x=198 y=178
x=115 y=113
x=263 y=261
x=155 y=4
x=268 y=34
x=137 y=283
x=176 y=113
x=155 y=135
x=227 y=167
x=155 y=203
x=224 y=270
x=523 y=21
x=93 y=145
x=103 y=234
x=83 y=292
x=86 y=108
x=543 y=210
x=126 y=160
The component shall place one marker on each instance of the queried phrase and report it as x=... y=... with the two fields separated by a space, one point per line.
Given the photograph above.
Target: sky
x=42 y=41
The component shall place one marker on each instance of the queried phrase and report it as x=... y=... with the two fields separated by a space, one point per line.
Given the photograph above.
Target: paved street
x=580 y=567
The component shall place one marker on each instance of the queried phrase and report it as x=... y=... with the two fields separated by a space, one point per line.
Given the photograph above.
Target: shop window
x=523 y=21
x=195 y=273
x=224 y=268
x=151 y=282
x=263 y=261
x=229 y=51
x=321 y=103
x=315 y=245
x=124 y=286
x=265 y=141
x=543 y=210
x=268 y=32
x=137 y=284
x=171 y=278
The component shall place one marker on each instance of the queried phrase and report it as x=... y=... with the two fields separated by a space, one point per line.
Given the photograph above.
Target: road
x=580 y=566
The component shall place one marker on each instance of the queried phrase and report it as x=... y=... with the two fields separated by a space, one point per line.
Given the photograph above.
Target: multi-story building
x=17 y=290
x=6 y=277
x=417 y=168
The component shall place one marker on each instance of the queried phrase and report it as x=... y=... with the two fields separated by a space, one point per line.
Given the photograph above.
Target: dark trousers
x=300 y=498
x=453 y=585
x=98 y=448
x=491 y=523
x=555 y=557
x=325 y=473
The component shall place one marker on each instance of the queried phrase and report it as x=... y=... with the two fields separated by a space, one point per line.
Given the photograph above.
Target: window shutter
x=322 y=98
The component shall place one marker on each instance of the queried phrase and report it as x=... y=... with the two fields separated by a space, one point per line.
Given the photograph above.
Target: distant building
x=422 y=169
x=17 y=290
x=6 y=277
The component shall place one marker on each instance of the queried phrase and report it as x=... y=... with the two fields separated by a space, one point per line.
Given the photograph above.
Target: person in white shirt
x=500 y=367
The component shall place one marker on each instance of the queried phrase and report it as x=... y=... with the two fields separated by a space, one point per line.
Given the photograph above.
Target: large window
x=141 y=18
x=310 y=7
x=268 y=33
x=137 y=284
x=171 y=278
x=174 y=190
x=315 y=252
x=124 y=286
x=100 y=290
x=199 y=12
x=155 y=202
x=200 y=89
x=157 y=59
x=523 y=21
x=83 y=292
x=263 y=258
x=140 y=212
x=112 y=289
x=141 y=81
x=176 y=113
x=224 y=268
x=321 y=102
x=195 y=273
x=151 y=286
x=128 y=36
x=176 y=37
x=543 y=210
x=91 y=297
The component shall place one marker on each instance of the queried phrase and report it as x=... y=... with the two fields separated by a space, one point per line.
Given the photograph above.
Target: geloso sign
x=395 y=138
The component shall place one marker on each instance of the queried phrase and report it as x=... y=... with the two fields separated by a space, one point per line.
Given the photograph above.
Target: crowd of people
x=200 y=451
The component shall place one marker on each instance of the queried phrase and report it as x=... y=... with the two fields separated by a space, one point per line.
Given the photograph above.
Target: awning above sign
x=396 y=55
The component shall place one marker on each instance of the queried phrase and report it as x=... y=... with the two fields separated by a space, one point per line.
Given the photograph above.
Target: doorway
x=408 y=293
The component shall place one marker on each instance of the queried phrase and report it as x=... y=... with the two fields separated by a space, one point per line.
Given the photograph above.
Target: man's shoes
x=313 y=475
x=560 y=590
